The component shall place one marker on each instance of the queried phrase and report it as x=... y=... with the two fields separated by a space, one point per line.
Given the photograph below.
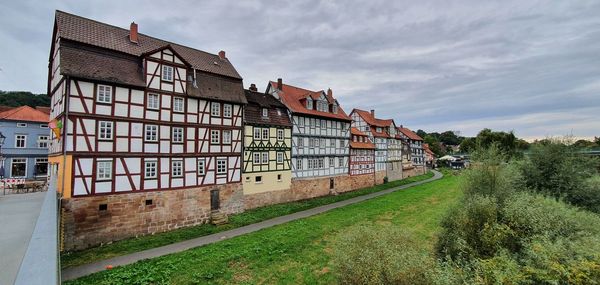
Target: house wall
x=33 y=132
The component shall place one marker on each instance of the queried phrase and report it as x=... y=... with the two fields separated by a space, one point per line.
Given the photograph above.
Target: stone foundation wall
x=409 y=172
x=252 y=201
x=379 y=175
x=394 y=171
x=128 y=215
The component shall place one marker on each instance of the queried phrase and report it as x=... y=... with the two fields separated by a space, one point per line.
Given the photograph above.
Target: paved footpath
x=83 y=270
x=18 y=215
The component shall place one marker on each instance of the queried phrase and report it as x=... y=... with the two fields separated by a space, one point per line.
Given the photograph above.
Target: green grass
x=293 y=253
x=131 y=245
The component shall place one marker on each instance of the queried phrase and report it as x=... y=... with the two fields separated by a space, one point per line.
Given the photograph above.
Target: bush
x=376 y=255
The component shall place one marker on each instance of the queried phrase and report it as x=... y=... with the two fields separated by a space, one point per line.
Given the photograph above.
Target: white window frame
x=331 y=162
x=309 y=104
x=23 y=139
x=264 y=158
x=177 y=135
x=298 y=163
x=258 y=179
x=41 y=161
x=177 y=164
x=279 y=157
x=104 y=94
x=227 y=110
x=201 y=166
x=153 y=104
x=265 y=112
x=43 y=140
x=256 y=158
x=147 y=168
x=105 y=130
x=106 y=165
x=215 y=137
x=178 y=104
x=265 y=131
x=280 y=134
x=257 y=133
x=153 y=129
x=12 y=162
x=167 y=73
x=21 y=125
x=226 y=136
x=215 y=109
x=341 y=161
x=300 y=142
x=44 y=126
x=222 y=162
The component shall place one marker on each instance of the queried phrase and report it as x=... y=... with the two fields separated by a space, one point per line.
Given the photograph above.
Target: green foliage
x=434 y=145
x=21 y=98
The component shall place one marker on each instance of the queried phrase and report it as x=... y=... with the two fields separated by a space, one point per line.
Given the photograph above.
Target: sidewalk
x=80 y=271
x=18 y=215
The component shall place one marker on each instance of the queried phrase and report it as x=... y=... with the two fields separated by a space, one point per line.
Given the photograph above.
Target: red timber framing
x=362 y=154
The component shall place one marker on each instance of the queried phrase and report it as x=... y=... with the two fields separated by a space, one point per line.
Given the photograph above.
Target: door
x=331 y=183
x=214 y=200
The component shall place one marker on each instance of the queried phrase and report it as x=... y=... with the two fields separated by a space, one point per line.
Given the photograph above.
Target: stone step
x=218 y=218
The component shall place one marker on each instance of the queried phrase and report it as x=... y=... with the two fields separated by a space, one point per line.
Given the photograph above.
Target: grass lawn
x=293 y=253
x=127 y=246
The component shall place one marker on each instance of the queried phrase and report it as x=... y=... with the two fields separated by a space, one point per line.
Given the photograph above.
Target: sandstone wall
x=128 y=215
x=394 y=171
x=379 y=175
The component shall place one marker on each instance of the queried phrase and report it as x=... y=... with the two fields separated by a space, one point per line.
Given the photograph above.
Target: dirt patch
x=433 y=200
x=240 y=271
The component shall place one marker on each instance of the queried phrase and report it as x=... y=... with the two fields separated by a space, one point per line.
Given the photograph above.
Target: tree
x=468 y=145
x=435 y=146
x=421 y=133
x=21 y=98
x=449 y=138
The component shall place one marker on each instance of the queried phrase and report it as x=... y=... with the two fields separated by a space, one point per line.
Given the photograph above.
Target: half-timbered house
x=267 y=149
x=415 y=143
x=362 y=154
x=158 y=122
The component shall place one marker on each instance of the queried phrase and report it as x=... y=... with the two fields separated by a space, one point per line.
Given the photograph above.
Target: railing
x=41 y=264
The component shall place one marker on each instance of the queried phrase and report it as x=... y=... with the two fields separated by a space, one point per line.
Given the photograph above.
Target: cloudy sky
x=528 y=66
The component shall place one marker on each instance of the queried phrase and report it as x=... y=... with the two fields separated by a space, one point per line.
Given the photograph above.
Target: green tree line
x=22 y=98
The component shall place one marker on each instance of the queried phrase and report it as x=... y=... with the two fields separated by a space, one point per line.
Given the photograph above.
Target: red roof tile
x=46 y=110
x=371 y=120
x=410 y=134
x=25 y=113
x=362 y=145
x=291 y=96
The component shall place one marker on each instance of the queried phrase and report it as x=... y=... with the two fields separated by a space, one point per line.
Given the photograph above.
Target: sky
x=532 y=67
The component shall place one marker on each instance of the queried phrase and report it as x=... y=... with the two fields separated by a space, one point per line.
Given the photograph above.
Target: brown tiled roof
x=214 y=87
x=257 y=101
x=362 y=145
x=292 y=97
x=371 y=120
x=410 y=134
x=25 y=113
x=87 y=31
x=46 y=110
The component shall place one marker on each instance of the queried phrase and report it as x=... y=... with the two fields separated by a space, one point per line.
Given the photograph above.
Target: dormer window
x=309 y=104
x=378 y=130
x=265 y=112
x=167 y=73
x=334 y=109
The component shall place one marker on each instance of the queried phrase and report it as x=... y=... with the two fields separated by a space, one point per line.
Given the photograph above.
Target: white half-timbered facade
x=415 y=143
x=362 y=154
x=320 y=134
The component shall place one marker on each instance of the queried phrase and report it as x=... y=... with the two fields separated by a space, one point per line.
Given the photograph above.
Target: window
x=20 y=141
x=221 y=166
x=256 y=133
x=299 y=163
x=104 y=94
x=280 y=157
x=258 y=179
x=44 y=126
x=332 y=142
x=177 y=168
x=151 y=133
x=265 y=134
x=342 y=143
x=378 y=130
x=105 y=130
x=215 y=109
x=43 y=141
x=177 y=135
x=265 y=158
x=318 y=123
x=41 y=167
x=309 y=104
x=256 y=158
x=300 y=142
x=265 y=112
x=278 y=177
x=201 y=166
x=214 y=137
x=178 y=104
x=104 y=170
x=21 y=125
x=341 y=161
x=301 y=121
x=227 y=110
x=279 y=134
x=153 y=101
x=227 y=137
x=316 y=142
x=150 y=169
x=18 y=167
x=167 y=73
x=331 y=162
x=334 y=109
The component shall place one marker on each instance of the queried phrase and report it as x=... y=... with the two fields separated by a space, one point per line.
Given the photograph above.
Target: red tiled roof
x=25 y=113
x=410 y=134
x=43 y=109
x=357 y=132
x=371 y=120
x=363 y=145
x=87 y=31
x=291 y=96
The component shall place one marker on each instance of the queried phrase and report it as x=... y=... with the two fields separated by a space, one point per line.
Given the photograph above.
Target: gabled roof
x=87 y=31
x=43 y=109
x=360 y=145
x=410 y=134
x=277 y=112
x=26 y=114
x=293 y=97
x=371 y=120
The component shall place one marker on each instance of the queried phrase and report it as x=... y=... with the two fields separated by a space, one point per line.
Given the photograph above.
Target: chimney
x=330 y=94
x=373 y=113
x=222 y=55
x=279 y=83
x=253 y=87
x=133 y=32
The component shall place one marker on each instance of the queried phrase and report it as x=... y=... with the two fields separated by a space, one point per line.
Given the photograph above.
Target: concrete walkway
x=18 y=215
x=80 y=271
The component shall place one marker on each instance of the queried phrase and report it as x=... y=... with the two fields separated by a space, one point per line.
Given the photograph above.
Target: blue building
x=25 y=148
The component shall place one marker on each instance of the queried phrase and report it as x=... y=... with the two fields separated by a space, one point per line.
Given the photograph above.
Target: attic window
x=265 y=112
x=309 y=104
x=334 y=109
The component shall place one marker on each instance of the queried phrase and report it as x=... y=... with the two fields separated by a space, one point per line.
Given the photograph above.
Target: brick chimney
x=222 y=55
x=329 y=94
x=253 y=87
x=279 y=83
x=373 y=113
x=133 y=32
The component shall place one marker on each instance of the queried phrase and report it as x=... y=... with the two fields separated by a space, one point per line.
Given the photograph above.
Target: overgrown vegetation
x=514 y=225
x=127 y=246
x=21 y=98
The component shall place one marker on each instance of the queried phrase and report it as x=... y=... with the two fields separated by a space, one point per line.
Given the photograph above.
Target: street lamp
x=2 y=137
